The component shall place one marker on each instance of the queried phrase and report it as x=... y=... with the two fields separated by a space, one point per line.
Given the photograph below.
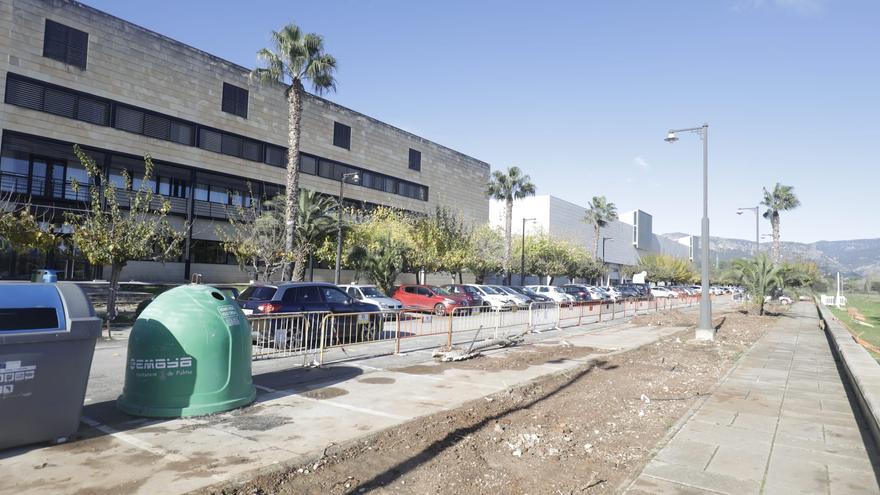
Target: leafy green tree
x=385 y=263
x=781 y=198
x=548 y=257
x=108 y=235
x=256 y=237
x=20 y=231
x=357 y=258
x=484 y=256
x=666 y=268
x=507 y=187
x=759 y=276
x=296 y=58
x=599 y=214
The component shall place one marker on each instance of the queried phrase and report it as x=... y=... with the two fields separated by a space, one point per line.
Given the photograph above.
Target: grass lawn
x=869 y=306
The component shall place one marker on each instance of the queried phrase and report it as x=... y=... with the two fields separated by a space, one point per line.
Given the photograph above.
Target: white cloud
x=642 y=163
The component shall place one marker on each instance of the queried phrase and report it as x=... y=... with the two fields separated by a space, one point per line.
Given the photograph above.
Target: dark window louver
x=209 y=140
x=182 y=133
x=341 y=135
x=157 y=127
x=235 y=100
x=275 y=156
x=24 y=93
x=60 y=103
x=415 y=159
x=65 y=44
x=129 y=119
x=251 y=150
x=93 y=111
x=230 y=145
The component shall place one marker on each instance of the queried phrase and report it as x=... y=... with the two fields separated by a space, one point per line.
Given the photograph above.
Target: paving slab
x=781 y=422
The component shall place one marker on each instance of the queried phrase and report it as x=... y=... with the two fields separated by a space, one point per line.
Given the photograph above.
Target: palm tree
x=508 y=187
x=313 y=221
x=356 y=258
x=782 y=198
x=759 y=276
x=385 y=263
x=297 y=58
x=599 y=214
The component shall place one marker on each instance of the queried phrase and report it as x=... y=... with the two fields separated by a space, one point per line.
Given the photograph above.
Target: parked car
x=663 y=292
x=519 y=299
x=309 y=297
x=553 y=292
x=627 y=292
x=429 y=298
x=532 y=295
x=495 y=298
x=580 y=292
x=473 y=296
x=612 y=292
x=371 y=294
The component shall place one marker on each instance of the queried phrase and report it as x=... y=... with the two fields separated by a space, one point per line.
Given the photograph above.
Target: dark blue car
x=357 y=321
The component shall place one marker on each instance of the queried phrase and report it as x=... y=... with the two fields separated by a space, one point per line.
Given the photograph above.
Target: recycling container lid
x=31 y=308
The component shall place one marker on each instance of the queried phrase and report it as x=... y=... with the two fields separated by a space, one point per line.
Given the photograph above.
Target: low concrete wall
x=862 y=370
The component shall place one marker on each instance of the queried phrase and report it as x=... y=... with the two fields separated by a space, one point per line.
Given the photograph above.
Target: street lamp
x=355 y=178
x=603 y=257
x=522 y=253
x=756 y=209
x=704 y=329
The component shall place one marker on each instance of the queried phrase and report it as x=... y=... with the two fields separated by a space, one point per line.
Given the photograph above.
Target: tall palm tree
x=781 y=198
x=508 y=187
x=314 y=220
x=295 y=59
x=599 y=214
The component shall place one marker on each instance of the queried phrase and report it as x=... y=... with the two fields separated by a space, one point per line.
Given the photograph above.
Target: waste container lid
x=31 y=308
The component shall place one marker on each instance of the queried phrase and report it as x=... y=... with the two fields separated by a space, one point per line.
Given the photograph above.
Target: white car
x=662 y=292
x=518 y=299
x=371 y=294
x=494 y=297
x=615 y=295
x=555 y=293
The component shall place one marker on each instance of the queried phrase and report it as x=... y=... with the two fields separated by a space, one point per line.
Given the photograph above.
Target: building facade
x=625 y=240
x=71 y=74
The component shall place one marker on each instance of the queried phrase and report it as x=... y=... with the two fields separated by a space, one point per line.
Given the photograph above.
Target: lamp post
x=603 y=256
x=354 y=179
x=522 y=253
x=756 y=209
x=704 y=329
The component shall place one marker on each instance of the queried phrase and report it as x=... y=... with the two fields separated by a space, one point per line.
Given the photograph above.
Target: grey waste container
x=47 y=340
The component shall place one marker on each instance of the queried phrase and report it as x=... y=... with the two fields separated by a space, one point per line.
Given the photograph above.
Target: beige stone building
x=72 y=74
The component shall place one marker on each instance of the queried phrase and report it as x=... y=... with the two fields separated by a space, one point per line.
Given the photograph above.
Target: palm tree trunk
x=508 y=225
x=774 y=222
x=294 y=117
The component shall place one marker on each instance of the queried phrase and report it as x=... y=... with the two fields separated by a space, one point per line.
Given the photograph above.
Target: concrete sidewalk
x=781 y=422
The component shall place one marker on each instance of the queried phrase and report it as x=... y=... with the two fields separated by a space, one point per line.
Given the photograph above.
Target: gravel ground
x=587 y=430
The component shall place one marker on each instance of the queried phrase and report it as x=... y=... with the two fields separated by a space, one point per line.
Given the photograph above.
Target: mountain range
x=858 y=257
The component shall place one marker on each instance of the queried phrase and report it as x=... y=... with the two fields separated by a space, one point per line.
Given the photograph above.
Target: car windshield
x=489 y=290
x=372 y=292
x=503 y=290
x=439 y=290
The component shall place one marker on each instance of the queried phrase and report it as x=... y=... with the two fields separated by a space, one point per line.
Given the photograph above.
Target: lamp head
x=671 y=137
x=739 y=212
x=356 y=178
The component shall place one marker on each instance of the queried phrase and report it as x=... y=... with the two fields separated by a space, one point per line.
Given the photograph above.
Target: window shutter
x=77 y=48
x=241 y=107
x=93 y=111
x=415 y=159
x=129 y=119
x=250 y=150
x=209 y=140
x=157 y=127
x=24 y=93
x=60 y=103
x=230 y=145
x=182 y=133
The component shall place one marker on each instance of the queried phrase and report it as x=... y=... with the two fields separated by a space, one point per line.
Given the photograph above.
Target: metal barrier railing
x=310 y=334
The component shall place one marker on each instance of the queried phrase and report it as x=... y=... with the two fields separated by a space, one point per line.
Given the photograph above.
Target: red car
x=429 y=298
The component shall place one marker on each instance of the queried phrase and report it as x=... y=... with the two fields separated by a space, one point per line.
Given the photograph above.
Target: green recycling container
x=189 y=354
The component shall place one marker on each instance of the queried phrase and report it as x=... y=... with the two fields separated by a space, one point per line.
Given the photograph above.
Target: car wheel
x=440 y=310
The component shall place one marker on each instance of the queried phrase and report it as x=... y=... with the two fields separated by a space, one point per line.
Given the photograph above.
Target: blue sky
x=580 y=94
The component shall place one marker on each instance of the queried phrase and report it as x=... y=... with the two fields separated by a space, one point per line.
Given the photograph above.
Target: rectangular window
x=275 y=156
x=129 y=119
x=209 y=140
x=157 y=127
x=325 y=169
x=308 y=165
x=93 y=111
x=235 y=100
x=57 y=101
x=230 y=145
x=415 y=159
x=182 y=133
x=341 y=135
x=60 y=103
x=65 y=44
x=252 y=150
